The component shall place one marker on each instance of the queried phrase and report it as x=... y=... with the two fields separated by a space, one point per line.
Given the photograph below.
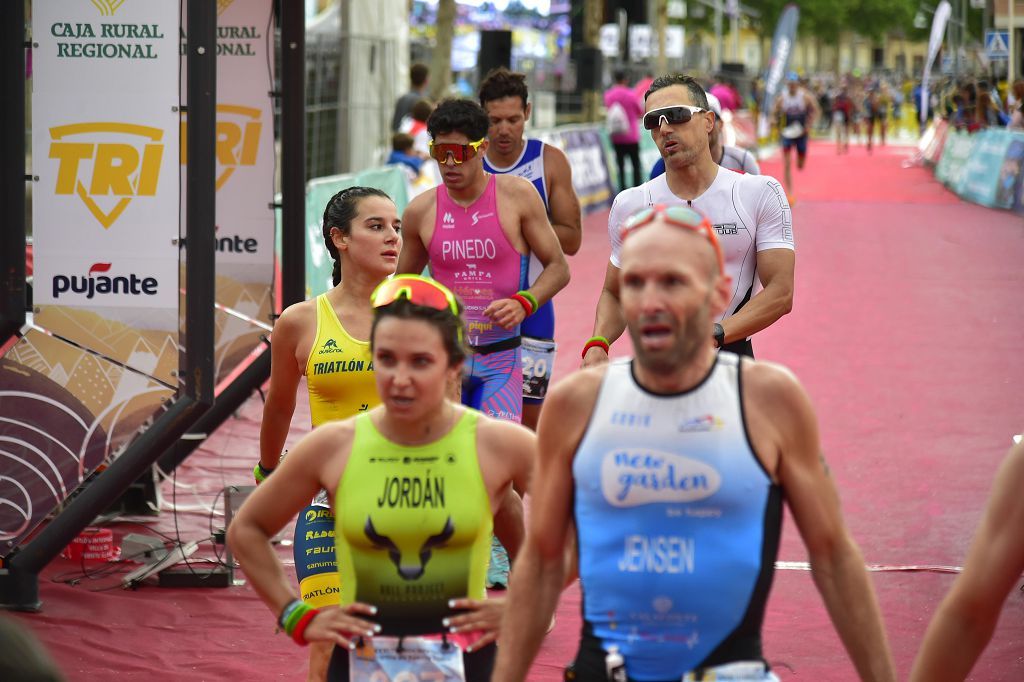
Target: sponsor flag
x=778 y=65
x=105 y=151
x=942 y=13
x=244 y=172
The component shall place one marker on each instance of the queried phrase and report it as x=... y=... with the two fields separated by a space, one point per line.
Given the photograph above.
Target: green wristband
x=292 y=614
x=260 y=473
x=529 y=297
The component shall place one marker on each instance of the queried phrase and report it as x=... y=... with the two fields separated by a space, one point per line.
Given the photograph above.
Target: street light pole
x=1011 y=62
x=718 y=36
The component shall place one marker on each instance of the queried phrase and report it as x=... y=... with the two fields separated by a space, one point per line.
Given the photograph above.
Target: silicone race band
x=260 y=473
x=525 y=302
x=598 y=341
x=294 y=619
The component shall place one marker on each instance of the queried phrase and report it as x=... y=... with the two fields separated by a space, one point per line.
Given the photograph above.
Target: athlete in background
x=413 y=484
x=733 y=158
x=476 y=231
x=326 y=341
x=750 y=214
x=677 y=577
x=797 y=110
x=505 y=98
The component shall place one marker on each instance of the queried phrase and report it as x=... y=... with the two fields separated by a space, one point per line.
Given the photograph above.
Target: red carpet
x=906 y=331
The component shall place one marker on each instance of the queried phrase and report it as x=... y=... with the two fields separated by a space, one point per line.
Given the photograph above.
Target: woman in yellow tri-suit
x=325 y=340
x=414 y=484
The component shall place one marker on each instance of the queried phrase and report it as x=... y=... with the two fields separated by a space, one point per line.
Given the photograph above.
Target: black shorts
x=743 y=347
x=478 y=665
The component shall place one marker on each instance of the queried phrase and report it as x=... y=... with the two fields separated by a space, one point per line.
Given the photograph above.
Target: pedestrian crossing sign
x=997 y=44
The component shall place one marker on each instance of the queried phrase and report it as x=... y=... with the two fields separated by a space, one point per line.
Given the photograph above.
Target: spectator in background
x=986 y=114
x=1017 y=119
x=993 y=93
x=640 y=89
x=1015 y=96
x=419 y=74
x=415 y=125
x=402 y=153
x=627 y=142
x=726 y=94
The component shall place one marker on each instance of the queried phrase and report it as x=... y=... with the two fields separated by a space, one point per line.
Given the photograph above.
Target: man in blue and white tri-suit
x=505 y=98
x=673 y=467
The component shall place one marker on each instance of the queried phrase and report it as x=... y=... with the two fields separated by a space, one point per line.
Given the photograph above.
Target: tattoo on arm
x=821 y=456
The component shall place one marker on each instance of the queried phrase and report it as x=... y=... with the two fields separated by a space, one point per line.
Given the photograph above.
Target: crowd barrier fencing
x=986 y=167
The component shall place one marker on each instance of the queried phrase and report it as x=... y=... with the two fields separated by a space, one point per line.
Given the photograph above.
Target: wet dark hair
x=450 y=326
x=501 y=83
x=697 y=93
x=458 y=116
x=341 y=209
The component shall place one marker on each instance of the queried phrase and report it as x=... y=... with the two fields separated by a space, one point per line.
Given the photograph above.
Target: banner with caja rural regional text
x=104 y=162
x=100 y=359
x=245 y=161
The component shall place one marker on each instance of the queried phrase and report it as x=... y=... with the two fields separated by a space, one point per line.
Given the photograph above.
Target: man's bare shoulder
x=773 y=390
x=419 y=206
x=514 y=186
x=765 y=379
x=578 y=390
x=553 y=156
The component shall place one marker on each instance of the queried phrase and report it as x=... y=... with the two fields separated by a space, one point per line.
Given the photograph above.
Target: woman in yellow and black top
x=414 y=484
x=327 y=341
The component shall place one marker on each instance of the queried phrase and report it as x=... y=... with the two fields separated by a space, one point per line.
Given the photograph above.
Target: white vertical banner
x=942 y=13
x=245 y=162
x=105 y=151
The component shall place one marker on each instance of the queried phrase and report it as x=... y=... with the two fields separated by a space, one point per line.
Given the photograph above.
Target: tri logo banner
x=105 y=129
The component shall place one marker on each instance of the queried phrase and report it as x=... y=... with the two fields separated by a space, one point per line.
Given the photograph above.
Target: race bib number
x=416 y=660
x=538 y=362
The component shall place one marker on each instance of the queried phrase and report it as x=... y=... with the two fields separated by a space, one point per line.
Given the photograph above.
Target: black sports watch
x=719 y=335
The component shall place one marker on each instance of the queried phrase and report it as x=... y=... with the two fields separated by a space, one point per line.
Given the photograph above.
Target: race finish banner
x=100 y=357
x=778 y=65
x=244 y=178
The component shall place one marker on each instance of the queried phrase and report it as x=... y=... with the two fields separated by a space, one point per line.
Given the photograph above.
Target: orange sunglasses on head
x=677 y=216
x=416 y=289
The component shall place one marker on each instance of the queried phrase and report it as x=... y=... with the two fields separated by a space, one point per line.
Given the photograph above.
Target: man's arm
x=414 y=256
x=521 y=197
x=541 y=240
x=783 y=424
x=609 y=321
x=566 y=218
x=775 y=269
x=965 y=620
x=538 y=576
